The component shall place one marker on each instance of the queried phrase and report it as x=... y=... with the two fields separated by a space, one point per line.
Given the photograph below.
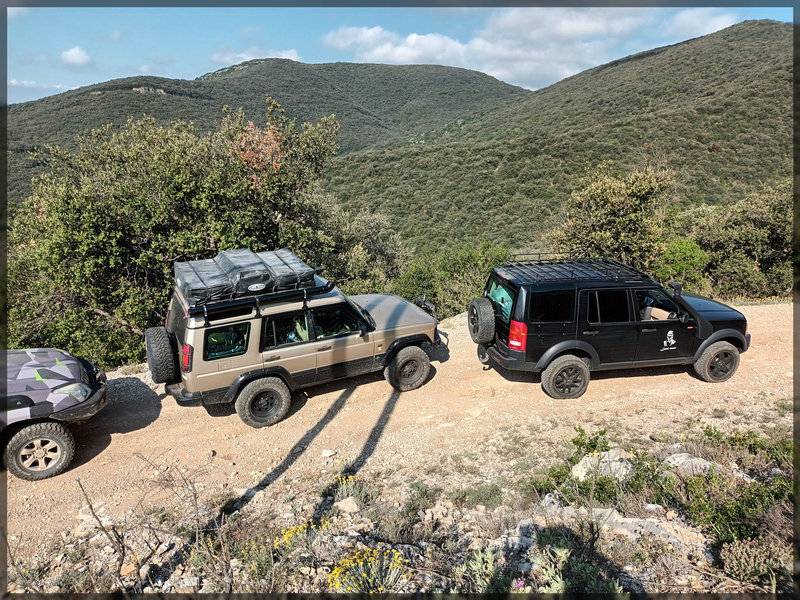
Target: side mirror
x=683 y=318
x=677 y=286
x=364 y=329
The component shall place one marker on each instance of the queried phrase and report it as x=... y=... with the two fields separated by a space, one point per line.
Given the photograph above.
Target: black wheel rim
x=409 y=371
x=568 y=380
x=264 y=405
x=721 y=365
x=473 y=320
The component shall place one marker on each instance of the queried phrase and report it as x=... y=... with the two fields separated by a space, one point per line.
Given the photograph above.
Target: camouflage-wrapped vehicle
x=46 y=389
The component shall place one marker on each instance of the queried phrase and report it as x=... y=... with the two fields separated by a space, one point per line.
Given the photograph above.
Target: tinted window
x=221 y=342
x=502 y=296
x=552 y=306
x=285 y=329
x=608 y=306
x=334 y=321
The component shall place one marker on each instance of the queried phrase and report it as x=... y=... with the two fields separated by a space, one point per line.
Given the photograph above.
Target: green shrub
x=751 y=560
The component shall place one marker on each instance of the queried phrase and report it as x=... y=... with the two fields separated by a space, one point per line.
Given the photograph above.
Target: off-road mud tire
x=161 y=356
x=409 y=369
x=718 y=362
x=52 y=441
x=480 y=320
x=263 y=402
x=566 y=377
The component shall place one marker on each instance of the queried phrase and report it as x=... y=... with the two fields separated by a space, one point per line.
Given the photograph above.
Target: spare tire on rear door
x=161 y=358
x=480 y=318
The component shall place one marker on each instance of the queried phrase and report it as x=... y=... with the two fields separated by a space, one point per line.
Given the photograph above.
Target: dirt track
x=463 y=408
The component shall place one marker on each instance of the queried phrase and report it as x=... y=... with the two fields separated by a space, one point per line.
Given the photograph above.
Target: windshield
x=362 y=311
x=502 y=296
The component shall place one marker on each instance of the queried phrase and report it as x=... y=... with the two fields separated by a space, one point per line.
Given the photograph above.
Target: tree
x=92 y=249
x=749 y=243
x=617 y=216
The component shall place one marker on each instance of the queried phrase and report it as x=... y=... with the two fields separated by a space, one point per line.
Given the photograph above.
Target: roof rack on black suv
x=250 y=328
x=565 y=317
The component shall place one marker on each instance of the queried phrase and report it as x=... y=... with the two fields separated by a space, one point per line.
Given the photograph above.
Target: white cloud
x=695 y=22
x=24 y=83
x=76 y=57
x=145 y=69
x=114 y=36
x=226 y=56
x=530 y=47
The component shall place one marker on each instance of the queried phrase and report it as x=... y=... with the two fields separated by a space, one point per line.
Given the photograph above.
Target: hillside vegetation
x=373 y=104
x=717 y=110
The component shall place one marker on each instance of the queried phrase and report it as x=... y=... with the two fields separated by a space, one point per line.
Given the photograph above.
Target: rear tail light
x=186 y=358
x=518 y=336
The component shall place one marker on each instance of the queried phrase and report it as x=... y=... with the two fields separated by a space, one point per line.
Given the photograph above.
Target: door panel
x=659 y=336
x=341 y=348
x=286 y=342
x=606 y=325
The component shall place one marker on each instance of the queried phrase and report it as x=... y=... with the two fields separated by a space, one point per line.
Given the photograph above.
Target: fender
x=246 y=378
x=561 y=347
x=744 y=341
x=399 y=344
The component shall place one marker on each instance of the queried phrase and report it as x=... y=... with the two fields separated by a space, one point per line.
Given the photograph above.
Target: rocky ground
x=468 y=431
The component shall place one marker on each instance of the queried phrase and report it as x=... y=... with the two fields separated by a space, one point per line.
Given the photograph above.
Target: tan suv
x=252 y=328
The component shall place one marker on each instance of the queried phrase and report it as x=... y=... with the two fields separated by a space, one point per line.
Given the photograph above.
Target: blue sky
x=51 y=50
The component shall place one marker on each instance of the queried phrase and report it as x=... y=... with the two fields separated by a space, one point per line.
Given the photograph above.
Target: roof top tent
x=240 y=274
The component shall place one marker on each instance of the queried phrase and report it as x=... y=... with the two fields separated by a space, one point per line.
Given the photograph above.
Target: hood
x=391 y=312
x=40 y=369
x=711 y=309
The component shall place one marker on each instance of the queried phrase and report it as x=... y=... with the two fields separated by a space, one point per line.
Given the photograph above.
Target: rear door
x=286 y=342
x=341 y=348
x=606 y=324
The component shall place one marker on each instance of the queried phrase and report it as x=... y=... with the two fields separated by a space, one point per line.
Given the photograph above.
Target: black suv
x=567 y=317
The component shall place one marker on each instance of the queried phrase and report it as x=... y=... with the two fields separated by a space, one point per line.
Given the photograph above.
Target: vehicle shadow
x=132 y=405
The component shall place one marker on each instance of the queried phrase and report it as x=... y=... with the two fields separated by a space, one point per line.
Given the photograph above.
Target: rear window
x=502 y=296
x=551 y=307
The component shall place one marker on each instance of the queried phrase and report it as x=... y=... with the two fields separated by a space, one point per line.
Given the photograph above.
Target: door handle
x=273 y=357
x=649 y=330
x=324 y=348
x=590 y=332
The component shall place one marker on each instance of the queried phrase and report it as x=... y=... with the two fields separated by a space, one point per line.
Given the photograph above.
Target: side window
x=334 y=321
x=608 y=306
x=552 y=307
x=655 y=305
x=230 y=340
x=281 y=330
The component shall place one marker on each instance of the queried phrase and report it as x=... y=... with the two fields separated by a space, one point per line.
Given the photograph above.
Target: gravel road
x=463 y=410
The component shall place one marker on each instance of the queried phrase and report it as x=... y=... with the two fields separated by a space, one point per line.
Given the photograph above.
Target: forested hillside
x=374 y=104
x=716 y=109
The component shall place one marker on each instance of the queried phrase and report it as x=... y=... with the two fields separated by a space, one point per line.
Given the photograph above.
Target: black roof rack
x=323 y=287
x=546 y=267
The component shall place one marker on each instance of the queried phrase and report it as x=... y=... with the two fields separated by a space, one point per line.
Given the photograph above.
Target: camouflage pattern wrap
x=43 y=381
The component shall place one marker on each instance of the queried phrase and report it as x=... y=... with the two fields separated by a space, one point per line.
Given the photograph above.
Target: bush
x=684 y=261
x=450 y=277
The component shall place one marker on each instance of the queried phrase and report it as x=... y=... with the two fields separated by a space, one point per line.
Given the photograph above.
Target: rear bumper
x=86 y=409
x=184 y=398
x=511 y=360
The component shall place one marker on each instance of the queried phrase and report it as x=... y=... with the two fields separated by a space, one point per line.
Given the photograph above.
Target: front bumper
x=86 y=409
